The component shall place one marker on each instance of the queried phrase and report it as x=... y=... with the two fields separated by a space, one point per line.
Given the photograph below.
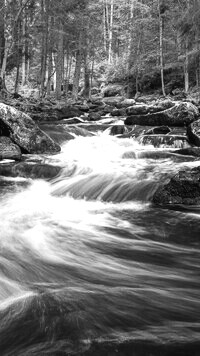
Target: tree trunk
x=24 y=49
x=2 y=34
x=77 y=71
x=110 y=32
x=161 y=48
x=50 y=70
x=59 y=62
x=45 y=20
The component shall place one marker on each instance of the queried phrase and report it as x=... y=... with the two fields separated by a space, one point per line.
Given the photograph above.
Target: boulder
x=112 y=90
x=183 y=188
x=180 y=114
x=114 y=100
x=24 y=132
x=158 y=130
x=8 y=150
x=117 y=130
x=119 y=112
x=176 y=141
x=190 y=151
x=143 y=109
x=29 y=170
x=126 y=103
x=94 y=116
x=193 y=132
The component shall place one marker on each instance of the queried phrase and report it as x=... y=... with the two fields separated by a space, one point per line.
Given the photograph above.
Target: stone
x=24 y=132
x=114 y=100
x=190 y=151
x=158 y=130
x=193 y=132
x=8 y=150
x=94 y=116
x=183 y=188
x=113 y=90
x=126 y=103
x=119 y=112
x=118 y=130
x=181 y=114
x=176 y=141
x=29 y=170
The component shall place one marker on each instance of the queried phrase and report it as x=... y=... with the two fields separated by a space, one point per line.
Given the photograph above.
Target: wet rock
x=126 y=103
x=117 y=130
x=24 y=132
x=119 y=112
x=29 y=170
x=114 y=101
x=183 y=188
x=182 y=113
x=57 y=132
x=143 y=109
x=94 y=116
x=193 y=132
x=158 y=130
x=190 y=151
x=8 y=150
x=164 y=141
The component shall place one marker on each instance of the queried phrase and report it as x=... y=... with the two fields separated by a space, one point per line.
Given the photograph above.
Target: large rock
x=193 y=132
x=112 y=90
x=24 y=132
x=176 y=141
x=8 y=150
x=180 y=114
x=29 y=170
x=183 y=188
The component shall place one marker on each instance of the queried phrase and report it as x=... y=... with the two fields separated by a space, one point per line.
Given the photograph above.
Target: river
x=89 y=266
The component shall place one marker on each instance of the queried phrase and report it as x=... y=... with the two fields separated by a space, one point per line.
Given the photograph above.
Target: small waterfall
x=89 y=266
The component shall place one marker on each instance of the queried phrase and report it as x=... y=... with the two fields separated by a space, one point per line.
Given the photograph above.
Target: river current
x=89 y=266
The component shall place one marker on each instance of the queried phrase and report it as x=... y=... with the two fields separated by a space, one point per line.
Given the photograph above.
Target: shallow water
x=89 y=266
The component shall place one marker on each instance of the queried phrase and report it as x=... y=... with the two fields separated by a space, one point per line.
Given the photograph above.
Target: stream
x=89 y=266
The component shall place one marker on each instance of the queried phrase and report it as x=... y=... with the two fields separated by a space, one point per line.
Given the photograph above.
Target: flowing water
x=89 y=266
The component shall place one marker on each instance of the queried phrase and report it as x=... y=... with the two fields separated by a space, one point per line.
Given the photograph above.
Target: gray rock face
x=183 y=188
x=193 y=132
x=8 y=150
x=180 y=114
x=24 y=132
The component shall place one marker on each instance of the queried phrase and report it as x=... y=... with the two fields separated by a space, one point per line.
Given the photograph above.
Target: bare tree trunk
x=110 y=32
x=2 y=33
x=186 y=64
x=186 y=68
x=45 y=20
x=161 y=49
x=104 y=27
x=24 y=49
x=77 y=71
x=59 y=62
x=50 y=70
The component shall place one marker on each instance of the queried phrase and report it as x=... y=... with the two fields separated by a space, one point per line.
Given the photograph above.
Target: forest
x=68 y=47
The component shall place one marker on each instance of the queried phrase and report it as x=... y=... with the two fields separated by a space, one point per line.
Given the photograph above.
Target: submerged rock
x=8 y=150
x=183 y=188
x=24 y=132
x=180 y=114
